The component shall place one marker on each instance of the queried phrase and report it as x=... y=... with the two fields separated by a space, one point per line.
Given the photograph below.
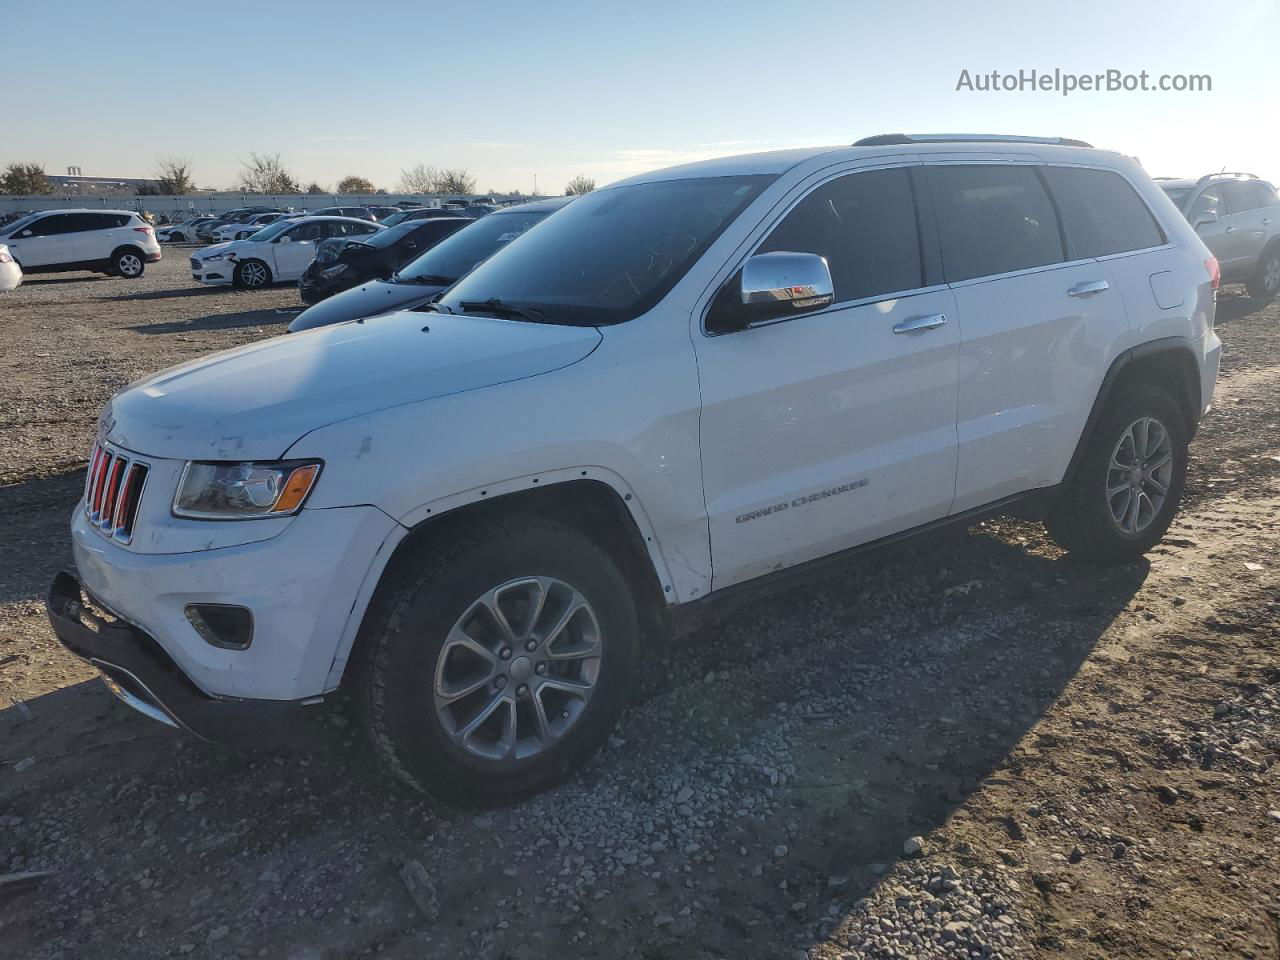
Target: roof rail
x=1235 y=174
x=888 y=139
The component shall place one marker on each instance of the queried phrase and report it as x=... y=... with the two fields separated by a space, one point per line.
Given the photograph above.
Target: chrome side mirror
x=771 y=286
x=1204 y=217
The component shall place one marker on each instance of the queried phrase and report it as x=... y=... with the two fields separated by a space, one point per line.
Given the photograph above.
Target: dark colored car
x=360 y=213
x=419 y=213
x=438 y=268
x=383 y=212
x=342 y=263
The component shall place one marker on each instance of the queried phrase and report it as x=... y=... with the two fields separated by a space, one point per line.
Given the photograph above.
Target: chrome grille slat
x=113 y=489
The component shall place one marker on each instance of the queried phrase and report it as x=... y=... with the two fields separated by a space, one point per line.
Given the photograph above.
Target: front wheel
x=1129 y=482
x=1264 y=283
x=499 y=662
x=177 y=238
x=128 y=264
x=252 y=275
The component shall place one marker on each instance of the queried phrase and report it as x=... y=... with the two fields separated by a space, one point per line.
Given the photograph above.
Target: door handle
x=917 y=324
x=1229 y=230
x=1266 y=221
x=1087 y=288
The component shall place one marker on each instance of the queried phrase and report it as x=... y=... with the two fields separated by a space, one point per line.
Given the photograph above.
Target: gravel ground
x=978 y=748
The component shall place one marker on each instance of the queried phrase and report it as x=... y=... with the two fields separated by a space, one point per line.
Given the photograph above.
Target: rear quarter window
x=993 y=220
x=1101 y=212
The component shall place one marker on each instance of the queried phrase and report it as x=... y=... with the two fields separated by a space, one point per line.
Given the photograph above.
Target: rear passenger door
x=829 y=429
x=1246 y=214
x=1034 y=322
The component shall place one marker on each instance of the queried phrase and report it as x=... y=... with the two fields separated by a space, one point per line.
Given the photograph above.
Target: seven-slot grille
x=196 y=264
x=112 y=492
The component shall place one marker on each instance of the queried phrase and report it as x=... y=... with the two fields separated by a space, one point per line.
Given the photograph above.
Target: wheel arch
x=580 y=498
x=1169 y=363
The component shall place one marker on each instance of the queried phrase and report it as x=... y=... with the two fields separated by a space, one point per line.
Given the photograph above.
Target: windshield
x=392 y=235
x=609 y=256
x=1177 y=194
x=451 y=258
x=277 y=228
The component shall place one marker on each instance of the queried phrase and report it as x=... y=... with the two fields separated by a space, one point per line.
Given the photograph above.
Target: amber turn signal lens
x=296 y=488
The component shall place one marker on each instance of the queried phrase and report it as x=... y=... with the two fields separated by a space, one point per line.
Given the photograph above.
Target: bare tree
x=456 y=181
x=25 y=179
x=427 y=179
x=174 y=174
x=419 y=179
x=579 y=185
x=266 y=174
x=354 y=184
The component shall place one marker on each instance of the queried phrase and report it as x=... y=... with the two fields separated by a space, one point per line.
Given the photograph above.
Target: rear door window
x=1240 y=196
x=1102 y=212
x=865 y=225
x=993 y=220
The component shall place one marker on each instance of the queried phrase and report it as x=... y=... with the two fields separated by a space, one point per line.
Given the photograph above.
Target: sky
x=514 y=90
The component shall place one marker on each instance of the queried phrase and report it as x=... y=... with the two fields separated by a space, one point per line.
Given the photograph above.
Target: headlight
x=242 y=491
x=216 y=256
x=332 y=272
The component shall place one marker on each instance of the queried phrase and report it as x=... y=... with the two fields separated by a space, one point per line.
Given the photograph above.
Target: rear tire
x=1264 y=283
x=128 y=264
x=177 y=238
x=1129 y=482
x=539 y=701
x=252 y=275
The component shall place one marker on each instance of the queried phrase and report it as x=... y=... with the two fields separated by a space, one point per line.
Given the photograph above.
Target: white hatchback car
x=680 y=389
x=275 y=254
x=117 y=242
x=10 y=272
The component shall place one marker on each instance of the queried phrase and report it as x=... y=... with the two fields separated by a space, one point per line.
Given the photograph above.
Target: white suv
x=680 y=388
x=117 y=242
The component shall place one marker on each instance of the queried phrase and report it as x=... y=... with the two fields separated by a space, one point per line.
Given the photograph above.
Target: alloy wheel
x=129 y=265
x=253 y=274
x=1139 y=474
x=1271 y=275
x=518 y=669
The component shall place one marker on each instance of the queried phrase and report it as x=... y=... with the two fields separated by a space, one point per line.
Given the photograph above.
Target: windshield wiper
x=499 y=308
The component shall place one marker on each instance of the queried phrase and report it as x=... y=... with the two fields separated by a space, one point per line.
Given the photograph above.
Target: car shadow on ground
x=36 y=514
x=267 y=316
x=1236 y=305
x=36 y=280
x=172 y=294
x=844 y=715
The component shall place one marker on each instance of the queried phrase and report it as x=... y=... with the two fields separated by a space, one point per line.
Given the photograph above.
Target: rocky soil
x=975 y=748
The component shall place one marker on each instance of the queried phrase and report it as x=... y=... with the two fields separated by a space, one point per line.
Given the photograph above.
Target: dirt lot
x=1086 y=757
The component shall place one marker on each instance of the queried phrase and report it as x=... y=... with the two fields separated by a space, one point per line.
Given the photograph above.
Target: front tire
x=177 y=238
x=252 y=275
x=1129 y=482
x=495 y=664
x=1264 y=283
x=128 y=264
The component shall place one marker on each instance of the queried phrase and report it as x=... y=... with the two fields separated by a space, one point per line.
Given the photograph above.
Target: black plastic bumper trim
x=134 y=661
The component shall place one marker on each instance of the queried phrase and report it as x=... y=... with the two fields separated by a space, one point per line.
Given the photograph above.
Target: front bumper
x=216 y=272
x=139 y=672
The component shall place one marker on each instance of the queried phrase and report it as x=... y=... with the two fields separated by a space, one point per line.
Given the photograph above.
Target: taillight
x=147 y=230
x=1214 y=271
x=4 y=257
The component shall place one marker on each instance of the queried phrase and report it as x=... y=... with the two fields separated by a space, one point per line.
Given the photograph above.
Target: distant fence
x=190 y=205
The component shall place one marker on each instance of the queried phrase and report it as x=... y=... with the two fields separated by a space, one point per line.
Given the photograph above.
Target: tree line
x=267 y=174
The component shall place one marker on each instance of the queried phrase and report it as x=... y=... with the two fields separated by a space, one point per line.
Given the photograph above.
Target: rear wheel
x=1264 y=283
x=1129 y=482
x=128 y=264
x=499 y=662
x=252 y=275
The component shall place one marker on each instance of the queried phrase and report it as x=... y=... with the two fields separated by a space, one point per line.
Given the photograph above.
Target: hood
x=226 y=246
x=254 y=402
x=377 y=296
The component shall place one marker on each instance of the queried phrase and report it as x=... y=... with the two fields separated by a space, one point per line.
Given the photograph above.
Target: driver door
x=829 y=429
x=292 y=256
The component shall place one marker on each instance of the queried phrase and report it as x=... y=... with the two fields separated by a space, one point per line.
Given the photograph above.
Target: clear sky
x=511 y=89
